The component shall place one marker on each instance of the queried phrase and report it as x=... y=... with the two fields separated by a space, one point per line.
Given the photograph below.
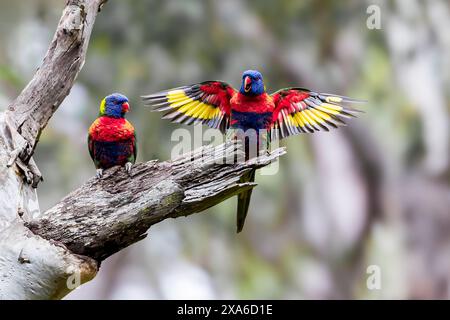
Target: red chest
x=260 y=104
x=111 y=129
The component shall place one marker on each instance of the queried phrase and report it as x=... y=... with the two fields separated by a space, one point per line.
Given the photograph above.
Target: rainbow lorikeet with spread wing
x=284 y=113
x=111 y=138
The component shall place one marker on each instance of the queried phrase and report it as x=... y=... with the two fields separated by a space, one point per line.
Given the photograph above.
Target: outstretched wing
x=207 y=102
x=299 y=110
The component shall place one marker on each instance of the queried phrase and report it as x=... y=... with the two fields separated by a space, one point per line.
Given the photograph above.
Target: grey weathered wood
x=40 y=255
x=32 y=267
x=104 y=216
x=52 y=82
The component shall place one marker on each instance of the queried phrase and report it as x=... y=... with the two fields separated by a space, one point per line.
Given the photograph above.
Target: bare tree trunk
x=45 y=256
x=31 y=267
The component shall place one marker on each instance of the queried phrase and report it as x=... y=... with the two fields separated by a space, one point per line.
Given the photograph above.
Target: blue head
x=252 y=83
x=115 y=105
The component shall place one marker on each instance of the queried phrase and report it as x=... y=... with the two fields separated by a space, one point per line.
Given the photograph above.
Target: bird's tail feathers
x=244 y=201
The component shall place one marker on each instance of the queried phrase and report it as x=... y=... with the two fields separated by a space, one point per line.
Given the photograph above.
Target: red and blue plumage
x=284 y=113
x=112 y=138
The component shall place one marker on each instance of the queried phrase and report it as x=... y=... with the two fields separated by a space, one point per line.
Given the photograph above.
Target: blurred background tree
x=374 y=193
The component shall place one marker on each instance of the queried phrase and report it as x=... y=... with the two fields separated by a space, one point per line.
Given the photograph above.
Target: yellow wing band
x=190 y=107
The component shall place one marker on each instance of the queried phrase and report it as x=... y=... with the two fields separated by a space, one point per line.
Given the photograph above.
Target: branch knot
x=73 y=19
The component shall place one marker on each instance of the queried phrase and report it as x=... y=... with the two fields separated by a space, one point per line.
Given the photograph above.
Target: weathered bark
x=46 y=256
x=30 y=266
x=107 y=215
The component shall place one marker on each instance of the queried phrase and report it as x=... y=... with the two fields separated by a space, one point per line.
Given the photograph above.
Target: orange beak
x=247 y=84
x=125 y=107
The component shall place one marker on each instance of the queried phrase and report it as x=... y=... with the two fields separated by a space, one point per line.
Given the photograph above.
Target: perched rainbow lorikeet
x=286 y=112
x=111 y=138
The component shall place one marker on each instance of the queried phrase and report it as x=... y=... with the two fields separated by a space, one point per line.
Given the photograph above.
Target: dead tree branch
x=104 y=216
x=33 y=108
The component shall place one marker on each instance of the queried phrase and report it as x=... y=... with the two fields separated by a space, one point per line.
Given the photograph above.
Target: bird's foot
x=99 y=173
x=128 y=166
